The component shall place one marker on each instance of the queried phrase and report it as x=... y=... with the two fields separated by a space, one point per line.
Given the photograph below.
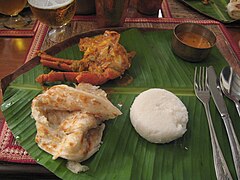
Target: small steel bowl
x=186 y=51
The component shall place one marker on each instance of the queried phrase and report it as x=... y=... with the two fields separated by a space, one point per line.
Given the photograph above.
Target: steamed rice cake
x=159 y=116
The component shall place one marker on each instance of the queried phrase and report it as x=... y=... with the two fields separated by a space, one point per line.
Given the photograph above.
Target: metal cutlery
x=230 y=85
x=203 y=94
x=212 y=82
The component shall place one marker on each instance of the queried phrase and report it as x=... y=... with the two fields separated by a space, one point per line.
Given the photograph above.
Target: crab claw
x=56 y=63
x=97 y=78
x=79 y=77
x=57 y=76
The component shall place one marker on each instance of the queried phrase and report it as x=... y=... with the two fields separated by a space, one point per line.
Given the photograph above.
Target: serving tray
x=124 y=154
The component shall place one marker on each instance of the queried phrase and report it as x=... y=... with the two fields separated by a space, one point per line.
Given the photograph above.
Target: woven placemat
x=176 y=9
x=10 y=151
x=28 y=30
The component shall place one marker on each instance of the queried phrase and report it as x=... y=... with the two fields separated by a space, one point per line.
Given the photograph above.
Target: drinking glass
x=56 y=14
x=12 y=8
x=111 y=13
x=149 y=7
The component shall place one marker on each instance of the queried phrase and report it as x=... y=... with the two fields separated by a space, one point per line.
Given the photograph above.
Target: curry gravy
x=194 y=40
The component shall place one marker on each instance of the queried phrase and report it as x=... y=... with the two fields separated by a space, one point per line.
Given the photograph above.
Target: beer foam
x=49 y=4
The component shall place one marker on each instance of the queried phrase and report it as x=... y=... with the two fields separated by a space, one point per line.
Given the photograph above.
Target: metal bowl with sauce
x=192 y=42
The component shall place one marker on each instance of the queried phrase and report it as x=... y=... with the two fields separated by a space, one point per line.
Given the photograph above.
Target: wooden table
x=13 y=51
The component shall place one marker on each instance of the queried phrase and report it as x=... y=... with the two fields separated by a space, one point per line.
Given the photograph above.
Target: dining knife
x=213 y=85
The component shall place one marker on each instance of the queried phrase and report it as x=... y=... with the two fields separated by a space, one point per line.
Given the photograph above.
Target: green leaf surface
x=124 y=154
x=216 y=9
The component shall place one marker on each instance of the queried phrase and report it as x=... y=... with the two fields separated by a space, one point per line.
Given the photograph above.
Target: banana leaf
x=216 y=9
x=124 y=154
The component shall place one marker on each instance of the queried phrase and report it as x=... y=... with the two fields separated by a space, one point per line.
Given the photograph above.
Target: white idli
x=159 y=116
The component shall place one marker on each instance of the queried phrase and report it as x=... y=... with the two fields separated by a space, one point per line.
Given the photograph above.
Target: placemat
x=28 y=30
x=176 y=9
x=10 y=151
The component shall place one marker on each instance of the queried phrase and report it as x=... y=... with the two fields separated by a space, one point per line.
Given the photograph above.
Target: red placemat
x=26 y=31
x=165 y=9
x=10 y=151
x=176 y=9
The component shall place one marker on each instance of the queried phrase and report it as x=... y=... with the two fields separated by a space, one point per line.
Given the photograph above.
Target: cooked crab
x=104 y=59
x=69 y=121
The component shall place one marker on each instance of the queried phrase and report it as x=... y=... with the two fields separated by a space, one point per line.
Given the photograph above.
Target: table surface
x=13 y=50
x=10 y=61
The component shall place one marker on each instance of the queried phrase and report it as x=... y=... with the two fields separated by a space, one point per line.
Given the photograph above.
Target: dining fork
x=203 y=94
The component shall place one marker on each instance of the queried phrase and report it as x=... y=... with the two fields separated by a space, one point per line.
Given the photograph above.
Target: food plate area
x=215 y=9
x=124 y=154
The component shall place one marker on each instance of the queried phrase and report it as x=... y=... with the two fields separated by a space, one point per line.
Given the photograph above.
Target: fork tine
x=202 y=77
x=195 y=79
x=205 y=85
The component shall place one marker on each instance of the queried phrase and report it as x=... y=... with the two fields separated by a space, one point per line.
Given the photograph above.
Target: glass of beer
x=56 y=14
x=12 y=8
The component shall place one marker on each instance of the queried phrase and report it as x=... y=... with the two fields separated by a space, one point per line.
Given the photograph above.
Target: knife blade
x=213 y=85
x=216 y=92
